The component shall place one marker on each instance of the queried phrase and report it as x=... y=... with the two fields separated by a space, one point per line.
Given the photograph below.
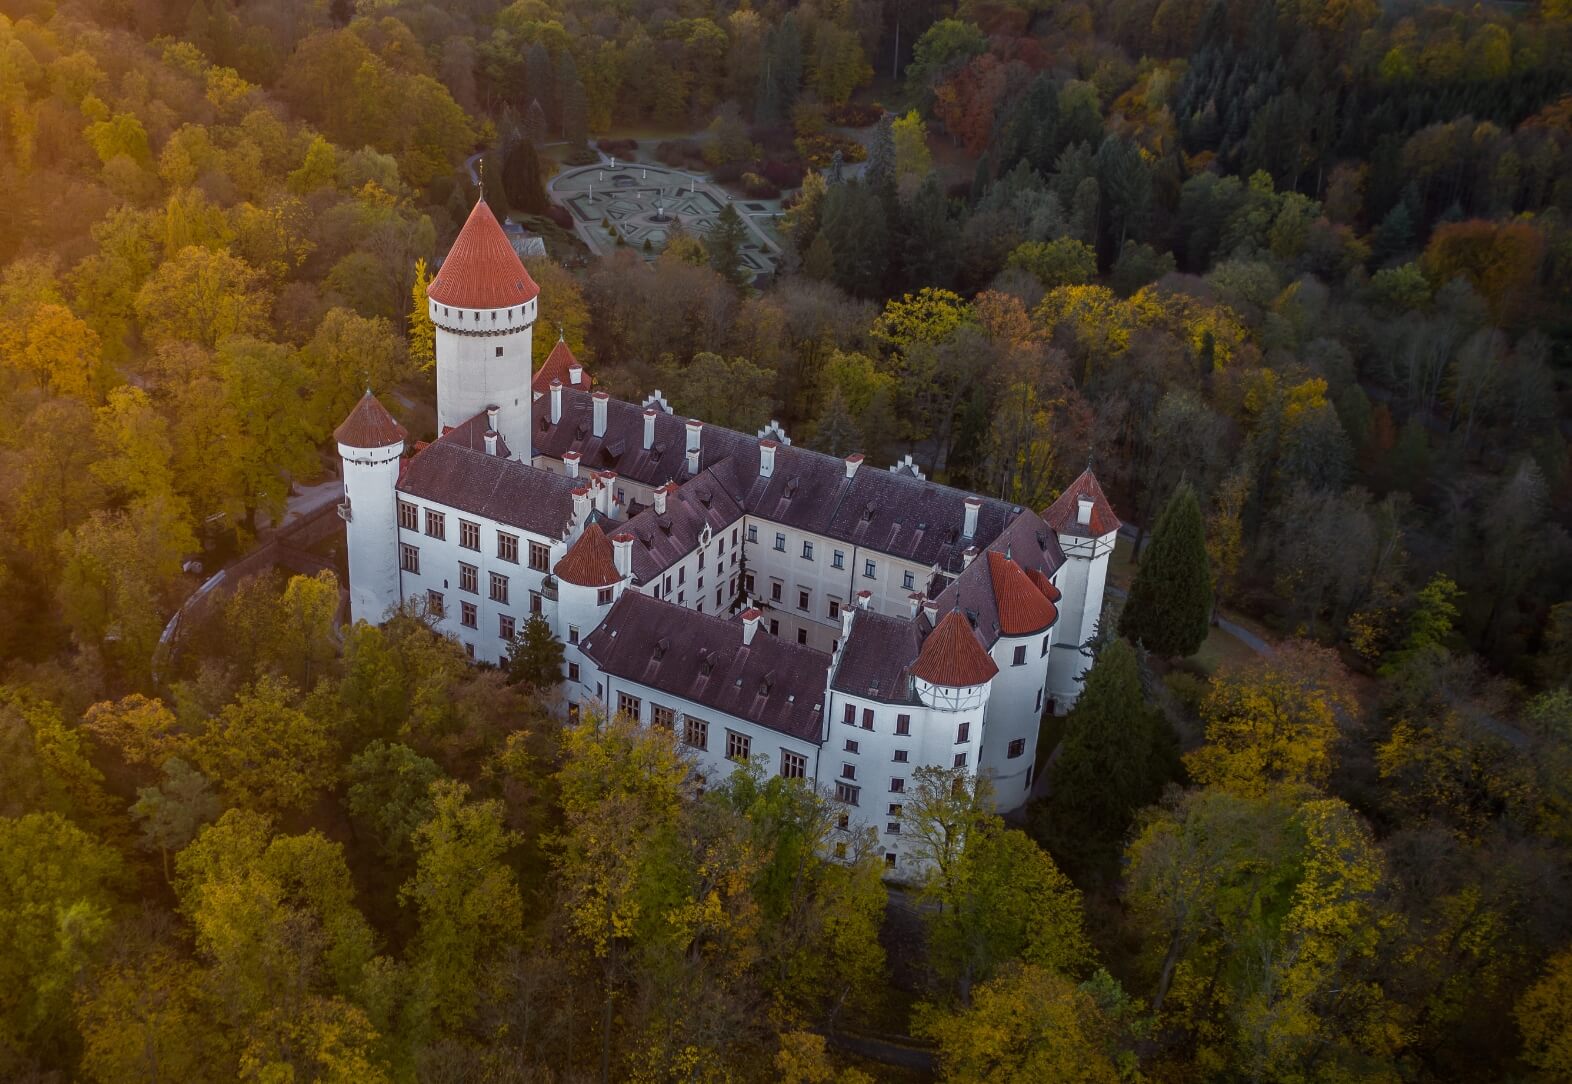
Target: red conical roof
x=481 y=270
x=589 y=562
x=1044 y=584
x=1023 y=608
x=369 y=425
x=556 y=367
x=1063 y=515
x=952 y=655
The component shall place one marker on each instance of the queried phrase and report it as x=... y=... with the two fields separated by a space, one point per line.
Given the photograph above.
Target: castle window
x=838 y=560
x=780 y=542
x=434 y=603
x=889 y=859
x=851 y=745
x=899 y=756
x=499 y=588
x=802 y=600
x=508 y=547
x=850 y=717
x=603 y=597
x=960 y=760
x=1019 y=658
x=436 y=524
x=802 y=637
x=467 y=615
x=737 y=745
x=663 y=717
x=573 y=634
x=835 y=608
x=469 y=535
x=842 y=822
x=408 y=516
x=499 y=349
x=695 y=732
x=848 y=771
x=775 y=591
x=1017 y=748
x=898 y=786
x=682 y=575
x=536 y=606
x=629 y=706
x=409 y=558
x=963 y=733
x=840 y=848
x=775 y=627
x=896 y=809
x=847 y=794
x=505 y=626
x=907 y=581
x=539 y=556
x=868 y=569
x=701 y=560
x=573 y=673
x=753 y=533
x=469 y=650
x=793 y=765
x=903 y=724
x=867 y=718
x=807 y=551
x=893 y=828
x=1045 y=646
x=469 y=578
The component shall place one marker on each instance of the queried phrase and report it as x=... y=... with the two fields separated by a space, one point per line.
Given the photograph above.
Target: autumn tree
x=389 y=795
x=1170 y=604
x=1544 y=1018
x=421 y=332
x=266 y=752
x=203 y=295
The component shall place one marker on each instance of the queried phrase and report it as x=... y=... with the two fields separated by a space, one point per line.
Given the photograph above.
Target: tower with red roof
x=370 y=443
x=483 y=304
x=1085 y=523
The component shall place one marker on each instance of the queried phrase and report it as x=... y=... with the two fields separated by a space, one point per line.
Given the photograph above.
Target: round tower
x=1026 y=613
x=483 y=305
x=370 y=443
x=1086 y=526
x=590 y=576
x=952 y=676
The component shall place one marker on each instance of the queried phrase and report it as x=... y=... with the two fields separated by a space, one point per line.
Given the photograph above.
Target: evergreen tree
x=835 y=431
x=858 y=235
x=575 y=108
x=535 y=125
x=879 y=175
x=1170 y=601
x=567 y=79
x=725 y=247
x=819 y=261
x=928 y=237
x=535 y=656
x=522 y=181
x=1115 y=756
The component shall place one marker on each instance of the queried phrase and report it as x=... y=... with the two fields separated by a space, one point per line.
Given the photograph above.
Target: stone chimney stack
x=767 y=458
x=1083 y=510
x=968 y=557
x=750 y=625
x=930 y=607
x=864 y=599
x=973 y=506
x=570 y=461
x=916 y=600
x=601 y=399
x=581 y=505
x=556 y=401
x=622 y=551
x=649 y=427
x=490 y=437
x=695 y=434
x=661 y=495
x=491 y=416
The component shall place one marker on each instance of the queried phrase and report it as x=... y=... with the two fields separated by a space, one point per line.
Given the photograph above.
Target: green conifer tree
x=522 y=181
x=1170 y=601
x=725 y=246
x=535 y=656
x=1116 y=754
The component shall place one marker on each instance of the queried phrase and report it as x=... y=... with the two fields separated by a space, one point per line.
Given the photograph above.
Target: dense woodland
x=1295 y=277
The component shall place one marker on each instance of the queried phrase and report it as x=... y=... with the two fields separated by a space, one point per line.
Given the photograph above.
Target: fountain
x=660 y=214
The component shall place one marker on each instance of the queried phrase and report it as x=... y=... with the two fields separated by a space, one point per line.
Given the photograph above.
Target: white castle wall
x=371 y=533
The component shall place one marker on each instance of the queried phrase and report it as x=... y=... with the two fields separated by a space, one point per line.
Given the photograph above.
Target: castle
x=846 y=623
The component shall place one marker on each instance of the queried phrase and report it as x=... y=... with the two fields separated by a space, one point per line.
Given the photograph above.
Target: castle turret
x=483 y=304
x=1086 y=527
x=370 y=443
x=1026 y=616
x=590 y=576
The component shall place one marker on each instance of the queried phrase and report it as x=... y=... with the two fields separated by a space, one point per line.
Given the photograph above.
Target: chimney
x=853 y=461
x=864 y=599
x=930 y=606
x=601 y=399
x=916 y=599
x=767 y=458
x=660 y=497
x=599 y=489
x=581 y=504
x=847 y=613
x=695 y=431
x=491 y=441
x=556 y=401
x=750 y=625
x=622 y=548
x=575 y=373
x=968 y=557
x=973 y=506
x=570 y=460
x=1083 y=510
x=492 y=410
x=608 y=479
x=649 y=428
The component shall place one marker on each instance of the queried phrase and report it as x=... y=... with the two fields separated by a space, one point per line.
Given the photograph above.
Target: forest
x=1296 y=278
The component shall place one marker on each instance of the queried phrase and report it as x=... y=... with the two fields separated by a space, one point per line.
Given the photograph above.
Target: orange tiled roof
x=1044 y=584
x=952 y=655
x=1061 y=515
x=481 y=270
x=1023 y=608
x=589 y=561
x=556 y=367
x=369 y=425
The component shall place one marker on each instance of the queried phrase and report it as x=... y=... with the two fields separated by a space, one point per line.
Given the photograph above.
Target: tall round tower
x=370 y=443
x=483 y=304
x=1087 y=527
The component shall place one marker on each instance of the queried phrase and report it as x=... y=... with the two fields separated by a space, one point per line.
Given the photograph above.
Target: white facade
x=1082 y=580
x=483 y=360
x=370 y=528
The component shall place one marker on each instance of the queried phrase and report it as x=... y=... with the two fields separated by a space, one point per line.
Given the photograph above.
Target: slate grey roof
x=661 y=540
x=452 y=473
x=1027 y=541
x=892 y=513
x=701 y=657
x=875 y=659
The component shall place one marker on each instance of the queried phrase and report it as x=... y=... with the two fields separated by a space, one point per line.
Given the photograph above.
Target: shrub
x=819 y=149
x=854 y=114
x=756 y=187
x=783 y=174
x=621 y=148
x=774 y=138
x=560 y=216
x=727 y=173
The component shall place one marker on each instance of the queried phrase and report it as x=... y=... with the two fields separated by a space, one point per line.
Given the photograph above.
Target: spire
x=589 y=562
x=1065 y=517
x=369 y=425
x=1023 y=607
x=481 y=270
x=953 y=656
